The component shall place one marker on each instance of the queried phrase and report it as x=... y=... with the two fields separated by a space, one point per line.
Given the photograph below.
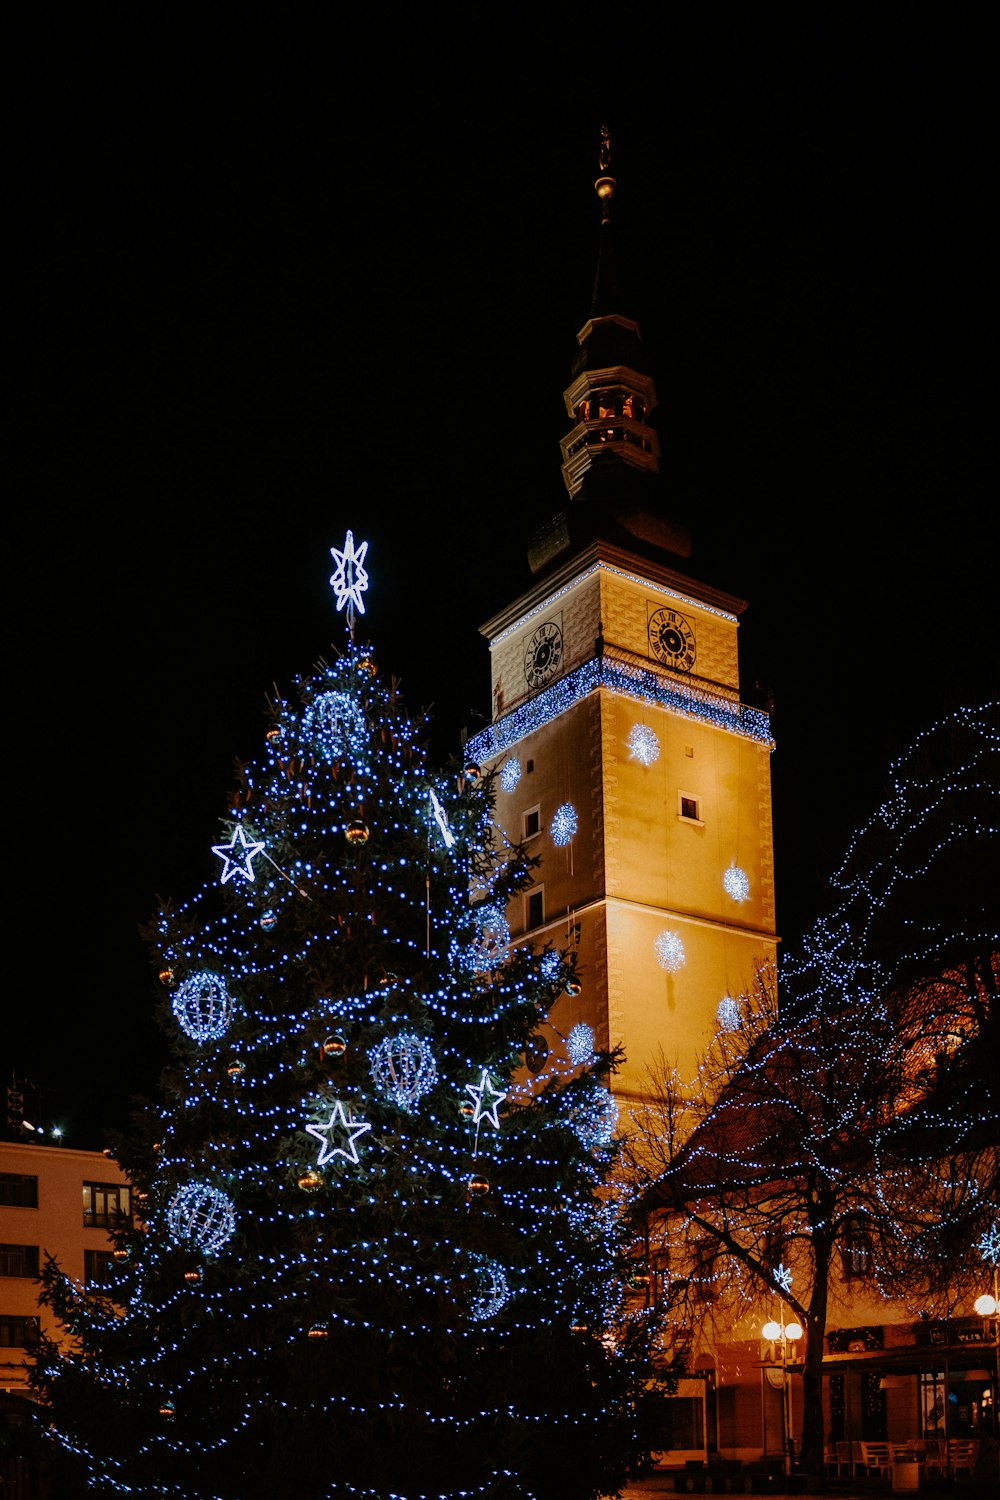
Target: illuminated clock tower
x=624 y=755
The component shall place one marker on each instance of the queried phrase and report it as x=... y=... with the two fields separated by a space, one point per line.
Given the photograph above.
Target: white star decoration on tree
x=485 y=1111
x=783 y=1278
x=237 y=865
x=339 y=1122
x=442 y=820
x=349 y=579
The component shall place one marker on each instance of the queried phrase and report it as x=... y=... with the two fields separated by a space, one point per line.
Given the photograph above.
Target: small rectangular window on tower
x=689 y=807
x=534 y=907
x=532 y=822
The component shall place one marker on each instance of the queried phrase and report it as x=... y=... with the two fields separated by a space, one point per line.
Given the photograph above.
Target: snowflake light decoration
x=338 y=1123
x=237 y=864
x=595 y=1117
x=783 y=1278
x=491 y=1289
x=549 y=966
x=580 y=1044
x=335 y=725
x=202 y=1217
x=203 y=1006
x=510 y=773
x=670 y=952
x=563 y=823
x=349 y=579
x=735 y=883
x=404 y=1068
x=643 y=744
x=728 y=1013
x=989 y=1245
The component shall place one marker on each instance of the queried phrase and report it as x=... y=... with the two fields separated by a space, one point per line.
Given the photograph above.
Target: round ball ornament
x=573 y=987
x=334 y=1046
x=478 y=1187
x=122 y=1254
x=203 y=1006
x=168 y=1410
x=201 y=1217
x=490 y=1289
x=357 y=833
x=236 y=1067
x=472 y=772
x=311 y=1181
x=167 y=978
x=367 y=666
x=403 y=1067
x=268 y=920
x=318 y=1333
x=335 y=726
x=193 y=1276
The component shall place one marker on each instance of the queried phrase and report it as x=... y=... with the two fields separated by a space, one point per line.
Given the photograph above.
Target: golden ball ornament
x=318 y=1332
x=573 y=987
x=193 y=1276
x=311 y=1181
x=357 y=833
x=167 y=1410
x=334 y=1046
x=236 y=1068
x=167 y=977
x=478 y=1187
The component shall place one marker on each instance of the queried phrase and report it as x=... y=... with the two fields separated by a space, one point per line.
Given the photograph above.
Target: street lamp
x=785 y=1334
x=988 y=1308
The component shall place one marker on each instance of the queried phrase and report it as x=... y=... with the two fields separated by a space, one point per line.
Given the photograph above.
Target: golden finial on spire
x=605 y=184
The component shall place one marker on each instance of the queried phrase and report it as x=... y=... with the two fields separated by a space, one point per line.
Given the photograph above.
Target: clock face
x=543 y=654
x=672 y=639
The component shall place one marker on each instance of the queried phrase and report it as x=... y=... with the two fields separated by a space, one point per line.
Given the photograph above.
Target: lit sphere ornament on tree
x=490 y=1292
x=735 y=883
x=669 y=952
x=318 y=1333
x=268 y=920
x=167 y=977
x=357 y=832
x=580 y=1045
x=334 y=1046
x=510 y=773
x=193 y=1276
x=478 y=1187
x=335 y=726
x=203 y=1006
x=564 y=824
x=403 y=1067
x=489 y=946
x=236 y=1067
x=550 y=965
x=643 y=744
x=201 y=1216
x=311 y=1181
x=367 y=666
x=573 y=987
x=168 y=1410
x=595 y=1118
x=472 y=772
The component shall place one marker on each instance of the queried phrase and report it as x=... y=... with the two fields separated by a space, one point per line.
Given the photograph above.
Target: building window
x=529 y=767
x=532 y=822
x=534 y=906
x=19 y=1260
x=17 y=1191
x=106 y=1205
x=98 y=1268
x=856 y=1251
x=17 y=1332
x=689 y=807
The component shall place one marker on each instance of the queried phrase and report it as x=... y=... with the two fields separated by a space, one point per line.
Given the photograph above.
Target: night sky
x=272 y=287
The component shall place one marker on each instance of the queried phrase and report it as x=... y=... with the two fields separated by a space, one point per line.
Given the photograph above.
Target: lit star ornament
x=349 y=578
x=441 y=818
x=339 y=1122
x=237 y=865
x=478 y=1091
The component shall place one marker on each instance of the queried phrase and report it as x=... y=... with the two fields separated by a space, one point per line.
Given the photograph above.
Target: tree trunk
x=812 y=1443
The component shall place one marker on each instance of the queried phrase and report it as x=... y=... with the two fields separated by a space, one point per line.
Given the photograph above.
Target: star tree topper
x=349 y=578
x=485 y=1111
x=338 y=1122
x=233 y=865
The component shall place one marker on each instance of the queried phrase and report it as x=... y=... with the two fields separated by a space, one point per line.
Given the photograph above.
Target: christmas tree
x=370 y=1258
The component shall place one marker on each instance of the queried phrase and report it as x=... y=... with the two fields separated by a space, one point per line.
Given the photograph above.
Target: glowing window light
x=510 y=773
x=338 y=1122
x=491 y=1289
x=201 y=1216
x=349 y=579
x=643 y=744
x=404 y=1068
x=203 y=1006
x=729 y=1013
x=580 y=1044
x=736 y=883
x=564 y=824
x=237 y=866
x=334 y=725
x=670 y=951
